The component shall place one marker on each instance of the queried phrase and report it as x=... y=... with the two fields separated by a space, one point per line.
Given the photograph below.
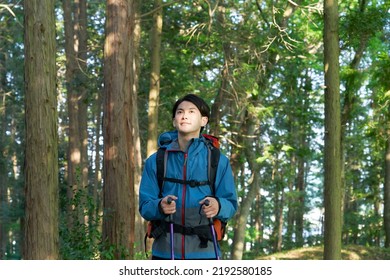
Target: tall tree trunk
x=278 y=211
x=74 y=151
x=75 y=25
x=154 y=90
x=119 y=207
x=238 y=246
x=97 y=185
x=41 y=153
x=332 y=161
x=258 y=224
x=301 y=174
x=3 y=158
x=291 y=207
x=386 y=198
x=82 y=81
x=352 y=84
x=139 y=229
x=248 y=131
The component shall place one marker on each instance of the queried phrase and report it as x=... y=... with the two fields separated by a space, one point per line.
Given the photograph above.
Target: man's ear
x=205 y=120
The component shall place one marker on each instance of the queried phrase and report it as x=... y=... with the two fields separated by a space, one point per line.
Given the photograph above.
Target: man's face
x=188 y=119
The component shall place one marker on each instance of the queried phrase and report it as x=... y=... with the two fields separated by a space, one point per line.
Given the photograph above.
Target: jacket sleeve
x=225 y=190
x=149 y=191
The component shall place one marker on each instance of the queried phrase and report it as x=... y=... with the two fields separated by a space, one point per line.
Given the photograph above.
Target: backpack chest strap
x=191 y=183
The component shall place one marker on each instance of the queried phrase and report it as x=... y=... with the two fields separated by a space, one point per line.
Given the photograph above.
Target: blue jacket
x=189 y=165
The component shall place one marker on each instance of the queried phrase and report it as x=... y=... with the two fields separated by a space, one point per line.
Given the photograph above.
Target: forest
x=300 y=100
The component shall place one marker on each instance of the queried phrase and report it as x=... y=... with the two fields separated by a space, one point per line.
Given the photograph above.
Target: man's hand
x=168 y=204
x=212 y=209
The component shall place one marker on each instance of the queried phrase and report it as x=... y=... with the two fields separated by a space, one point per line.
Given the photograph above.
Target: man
x=181 y=202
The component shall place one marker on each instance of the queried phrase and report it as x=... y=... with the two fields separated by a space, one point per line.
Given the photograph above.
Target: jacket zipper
x=183 y=205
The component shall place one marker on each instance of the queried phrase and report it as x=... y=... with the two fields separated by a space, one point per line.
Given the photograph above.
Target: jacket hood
x=166 y=138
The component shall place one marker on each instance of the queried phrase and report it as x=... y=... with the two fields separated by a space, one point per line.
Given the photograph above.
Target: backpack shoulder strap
x=160 y=161
x=214 y=154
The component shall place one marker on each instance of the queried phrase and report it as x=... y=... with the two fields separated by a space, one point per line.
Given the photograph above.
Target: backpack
x=156 y=228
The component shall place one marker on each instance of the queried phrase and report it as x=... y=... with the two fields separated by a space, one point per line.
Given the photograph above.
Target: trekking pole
x=169 y=201
x=211 y=223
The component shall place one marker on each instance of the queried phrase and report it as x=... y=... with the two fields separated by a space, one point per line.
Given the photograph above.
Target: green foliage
x=112 y=252
x=360 y=23
x=79 y=240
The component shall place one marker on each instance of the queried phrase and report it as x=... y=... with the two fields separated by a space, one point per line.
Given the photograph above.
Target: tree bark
x=82 y=80
x=97 y=186
x=332 y=160
x=41 y=156
x=278 y=195
x=3 y=157
x=386 y=210
x=139 y=229
x=248 y=132
x=154 y=90
x=119 y=207
x=258 y=224
x=74 y=150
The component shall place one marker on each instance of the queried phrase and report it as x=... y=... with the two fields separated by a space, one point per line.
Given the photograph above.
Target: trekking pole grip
x=169 y=201
x=207 y=203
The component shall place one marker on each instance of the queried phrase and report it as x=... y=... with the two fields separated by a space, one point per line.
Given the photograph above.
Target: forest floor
x=350 y=252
